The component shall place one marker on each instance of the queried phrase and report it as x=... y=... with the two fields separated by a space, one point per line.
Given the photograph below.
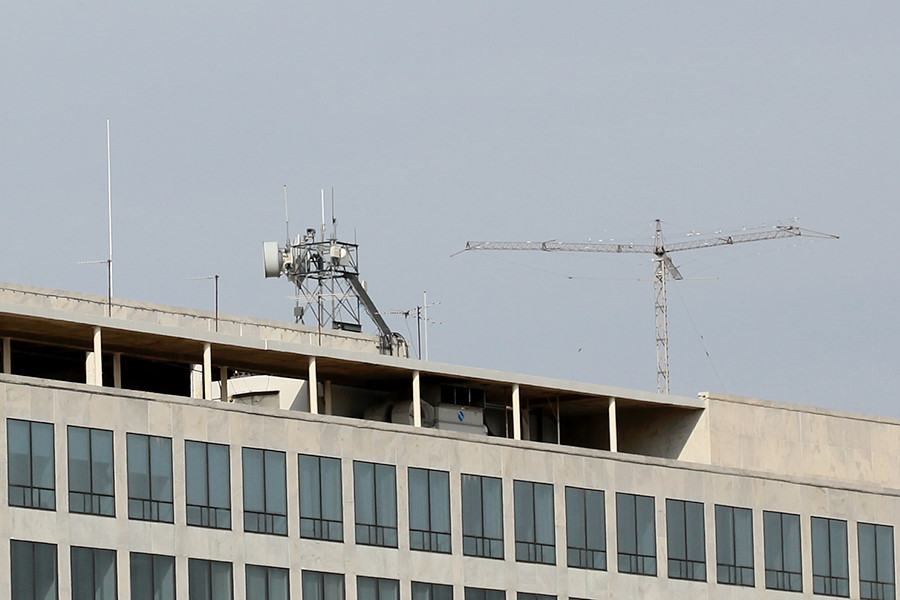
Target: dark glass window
x=32 y=571
x=30 y=455
x=636 y=534
x=375 y=588
x=781 y=533
x=431 y=591
x=93 y=574
x=321 y=507
x=876 y=562
x=152 y=577
x=586 y=528
x=375 y=495
x=482 y=516
x=686 y=540
x=267 y=583
x=535 y=528
x=831 y=571
x=150 y=478
x=265 y=491
x=208 y=480
x=734 y=545
x=429 y=510
x=473 y=593
x=323 y=586
x=528 y=596
x=91 y=468
x=210 y=580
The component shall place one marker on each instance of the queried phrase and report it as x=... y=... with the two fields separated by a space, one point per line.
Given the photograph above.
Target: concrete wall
x=181 y=419
x=793 y=440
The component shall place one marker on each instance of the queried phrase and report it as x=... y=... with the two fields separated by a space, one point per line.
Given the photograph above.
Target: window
x=782 y=541
x=32 y=570
x=374 y=588
x=150 y=478
x=535 y=541
x=484 y=594
x=321 y=516
x=208 y=480
x=636 y=534
x=686 y=535
x=429 y=510
x=527 y=596
x=93 y=574
x=586 y=528
x=152 y=577
x=431 y=591
x=265 y=491
x=32 y=476
x=209 y=580
x=322 y=586
x=831 y=571
x=267 y=583
x=734 y=545
x=876 y=562
x=482 y=516
x=91 y=481
x=375 y=491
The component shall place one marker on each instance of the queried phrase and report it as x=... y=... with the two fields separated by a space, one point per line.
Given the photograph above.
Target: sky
x=440 y=123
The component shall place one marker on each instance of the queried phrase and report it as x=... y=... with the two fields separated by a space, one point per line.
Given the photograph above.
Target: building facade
x=152 y=453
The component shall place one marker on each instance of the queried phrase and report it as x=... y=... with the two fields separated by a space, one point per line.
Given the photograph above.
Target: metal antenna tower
x=664 y=268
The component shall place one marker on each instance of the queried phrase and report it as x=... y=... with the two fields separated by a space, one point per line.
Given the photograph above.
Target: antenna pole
x=425 y=320
x=217 y=302
x=287 y=221
x=323 y=214
x=333 y=220
x=109 y=261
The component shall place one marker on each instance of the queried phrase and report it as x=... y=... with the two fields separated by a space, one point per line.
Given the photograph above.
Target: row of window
x=208 y=504
x=33 y=571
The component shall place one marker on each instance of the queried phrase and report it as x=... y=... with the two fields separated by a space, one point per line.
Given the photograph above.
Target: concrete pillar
x=517 y=413
x=207 y=372
x=416 y=400
x=223 y=384
x=117 y=370
x=329 y=403
x=93 y=363
x=313 y=387
x=613 y=432
x=7 y=356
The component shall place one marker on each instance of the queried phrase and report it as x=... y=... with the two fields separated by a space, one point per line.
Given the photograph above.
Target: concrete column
x=7 y=356
x=207 y=371
x=417 y=400
x=94 y=361
x=117 y=370
x=329 y=403
x=313 y=387
x=613 y=432
x=223 y=384
x=517 y=413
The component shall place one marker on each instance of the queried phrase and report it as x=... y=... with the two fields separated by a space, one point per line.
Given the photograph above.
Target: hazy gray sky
x=439 y=123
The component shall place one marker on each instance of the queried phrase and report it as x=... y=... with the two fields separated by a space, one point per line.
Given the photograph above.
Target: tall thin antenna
x=287 y=221
x=109 y=261
x=333 y=219
x=323 y=214
x=425 y=319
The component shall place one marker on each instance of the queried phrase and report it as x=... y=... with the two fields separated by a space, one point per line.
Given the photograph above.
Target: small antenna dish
x=272 y=259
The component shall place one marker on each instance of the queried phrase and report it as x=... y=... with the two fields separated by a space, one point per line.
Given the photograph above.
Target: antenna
x=664 y=268
x=323 y=214
x=333 y=219
x=287 y=221
x=109 y=269
x=216 y=277
x=421 y=315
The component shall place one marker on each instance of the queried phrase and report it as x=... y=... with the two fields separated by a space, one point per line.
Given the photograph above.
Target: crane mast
x=664 y=268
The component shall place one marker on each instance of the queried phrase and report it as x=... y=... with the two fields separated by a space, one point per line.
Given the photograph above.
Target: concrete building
x=155 y=452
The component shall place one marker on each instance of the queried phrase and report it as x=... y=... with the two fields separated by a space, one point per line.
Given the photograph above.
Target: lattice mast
x=664 y=269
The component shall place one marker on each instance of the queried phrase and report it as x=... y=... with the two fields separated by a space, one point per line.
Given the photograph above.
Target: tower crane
x=664 y=268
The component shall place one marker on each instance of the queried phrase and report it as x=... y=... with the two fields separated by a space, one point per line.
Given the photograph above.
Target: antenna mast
x=109 y=261
x=664 y=269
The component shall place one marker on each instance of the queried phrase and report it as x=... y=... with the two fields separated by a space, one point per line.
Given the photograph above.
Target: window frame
x=76 y=572
x=482 y=545
x=313 y=524
x=208 y=577
x=380 y=584
x=35 y=566
x=638 y=563
x=321 y=585
x=781 y=578
x=430 y=539
x=526 y=525
x=687 y=566
x=96 y=498
x=269 y=571
x=585 y=556
x=210 y=516
x=151 y=508
x=736 y=574
x=153 y=593
x=420 y=590
x=268 y=521
x=376 y=533
x=828 y=583
x=477 y=593
x=876 y=589
x=32 y=496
